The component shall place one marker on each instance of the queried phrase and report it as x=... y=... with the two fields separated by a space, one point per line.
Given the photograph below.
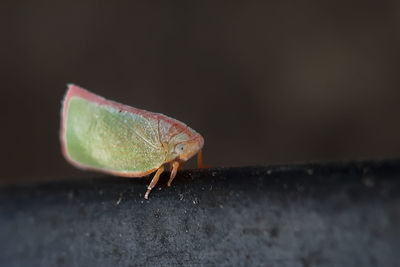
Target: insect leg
x=200 y=161
x=175 y=167
x=154 y=181
x=171 y=166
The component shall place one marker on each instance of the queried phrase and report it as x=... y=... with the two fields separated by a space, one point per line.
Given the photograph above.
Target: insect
x=103 y=135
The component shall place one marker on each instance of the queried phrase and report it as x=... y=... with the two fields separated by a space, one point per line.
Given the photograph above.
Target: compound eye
x=180 y=148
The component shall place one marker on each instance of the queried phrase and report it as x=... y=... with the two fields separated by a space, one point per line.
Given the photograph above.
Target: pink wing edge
x=74 y=90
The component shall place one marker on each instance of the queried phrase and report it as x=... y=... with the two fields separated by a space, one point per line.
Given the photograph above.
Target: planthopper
x=103 y=135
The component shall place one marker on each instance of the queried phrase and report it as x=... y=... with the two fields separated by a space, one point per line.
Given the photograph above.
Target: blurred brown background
x=263 y=81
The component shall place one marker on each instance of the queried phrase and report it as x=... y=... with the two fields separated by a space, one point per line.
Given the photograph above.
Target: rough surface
x=299 y=215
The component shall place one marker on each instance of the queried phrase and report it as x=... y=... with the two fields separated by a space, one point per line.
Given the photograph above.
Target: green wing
x=106 y=138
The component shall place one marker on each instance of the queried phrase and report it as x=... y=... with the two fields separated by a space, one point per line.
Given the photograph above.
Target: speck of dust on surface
x=369 y=182
x=119 y=199
x=71 y=195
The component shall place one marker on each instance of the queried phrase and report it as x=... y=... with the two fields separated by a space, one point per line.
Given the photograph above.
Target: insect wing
x=102 y=137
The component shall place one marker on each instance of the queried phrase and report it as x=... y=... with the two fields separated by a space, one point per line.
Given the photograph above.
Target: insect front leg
x=200 y=164
x=154 y=181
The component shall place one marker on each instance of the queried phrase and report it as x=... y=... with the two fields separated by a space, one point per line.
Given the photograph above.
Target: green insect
x=102 y=135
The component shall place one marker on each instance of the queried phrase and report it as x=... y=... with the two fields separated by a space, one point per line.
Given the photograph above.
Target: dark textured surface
x=302 y=215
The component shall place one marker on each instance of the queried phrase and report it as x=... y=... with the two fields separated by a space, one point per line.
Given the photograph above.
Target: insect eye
x=180 y=148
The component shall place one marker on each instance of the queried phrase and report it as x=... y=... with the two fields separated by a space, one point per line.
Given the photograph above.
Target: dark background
x=263 y=82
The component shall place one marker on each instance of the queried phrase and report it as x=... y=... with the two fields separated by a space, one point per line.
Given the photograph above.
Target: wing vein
x=134 y=130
